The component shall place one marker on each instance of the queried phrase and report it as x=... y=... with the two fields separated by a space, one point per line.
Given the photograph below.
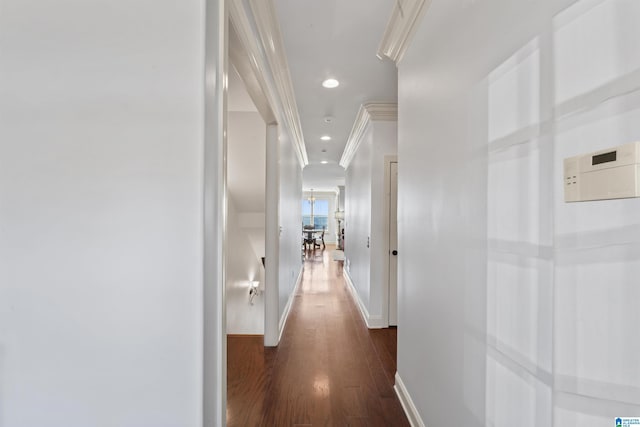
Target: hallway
x=329 y=369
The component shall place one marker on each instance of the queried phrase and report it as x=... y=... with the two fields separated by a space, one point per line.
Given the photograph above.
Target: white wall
x=243 y=265
x=385 y=143
x=357 y=227
x=246 y=159
x=290 y=212
x=366 y=219
x=341 y=194
x=516 y=308
x=101 y=130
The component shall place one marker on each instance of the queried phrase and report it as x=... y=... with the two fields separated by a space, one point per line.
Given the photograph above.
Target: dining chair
x=307 y=236
x=316 y=241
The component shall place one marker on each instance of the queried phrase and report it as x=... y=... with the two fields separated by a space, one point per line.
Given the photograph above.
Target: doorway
x=393 y=243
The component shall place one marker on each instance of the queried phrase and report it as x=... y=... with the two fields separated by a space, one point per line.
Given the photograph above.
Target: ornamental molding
x=248 y=59
x=401 y=27
x=369 y=112
x=268 y=29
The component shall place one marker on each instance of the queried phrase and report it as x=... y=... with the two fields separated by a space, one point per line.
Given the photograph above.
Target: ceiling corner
x=401 y=27
x=371 y=111
x=382 y=111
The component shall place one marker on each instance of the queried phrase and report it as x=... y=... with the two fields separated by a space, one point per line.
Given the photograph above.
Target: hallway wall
x=290 y=221
x=385 y=143
x=516 y=308
x=101 y=201
x=365 y=238
x=358 y=218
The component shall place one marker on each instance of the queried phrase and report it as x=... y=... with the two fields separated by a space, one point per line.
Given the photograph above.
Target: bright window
x=315 y=213
x=320 y=213
x=306 y=212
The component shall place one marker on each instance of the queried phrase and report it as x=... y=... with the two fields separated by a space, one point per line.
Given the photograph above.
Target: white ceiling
x=322 y=177
x=337 y=39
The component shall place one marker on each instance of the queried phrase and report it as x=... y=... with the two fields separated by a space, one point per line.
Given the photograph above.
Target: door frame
x=388 y=159
x=213 y=174
x=228 y=36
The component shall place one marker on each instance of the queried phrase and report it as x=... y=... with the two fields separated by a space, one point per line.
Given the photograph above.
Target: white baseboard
x=373 y=322
x=287 y=308
x=407 y=403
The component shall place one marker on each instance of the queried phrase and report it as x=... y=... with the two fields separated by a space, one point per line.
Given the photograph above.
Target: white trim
x=287 y=309
x=319 y=193
x=386 y=221
x=407 y=403
x=272 y=239
x=372 y=111
x=264 y=15
x=373 y=322
x=246 y=56
x=402 y=25
x=214 y=198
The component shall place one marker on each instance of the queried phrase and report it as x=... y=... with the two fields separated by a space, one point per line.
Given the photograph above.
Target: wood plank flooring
x=329 y=369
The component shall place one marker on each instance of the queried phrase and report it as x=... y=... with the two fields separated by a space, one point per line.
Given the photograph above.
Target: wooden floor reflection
x=329 y=369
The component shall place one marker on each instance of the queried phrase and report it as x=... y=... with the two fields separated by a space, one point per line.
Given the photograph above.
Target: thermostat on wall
x=602 y=175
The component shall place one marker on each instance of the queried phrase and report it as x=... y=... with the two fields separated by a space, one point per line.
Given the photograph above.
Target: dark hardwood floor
x=329 y=369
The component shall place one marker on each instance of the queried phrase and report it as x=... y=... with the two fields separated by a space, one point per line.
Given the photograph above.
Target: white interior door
x=393 y=244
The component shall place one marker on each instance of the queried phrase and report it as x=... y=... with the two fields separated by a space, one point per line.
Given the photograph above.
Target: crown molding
x=370 y=112
x=401 y=27
x=246 y=56
x=324 y=192
x=269 y=31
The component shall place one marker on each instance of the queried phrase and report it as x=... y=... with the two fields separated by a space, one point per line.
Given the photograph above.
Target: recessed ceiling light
x=330 y=83
x=326 y=138
x=324 y=162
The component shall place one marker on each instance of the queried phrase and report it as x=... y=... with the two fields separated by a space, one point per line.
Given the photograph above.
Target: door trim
x=387 y=195
x=214 y=334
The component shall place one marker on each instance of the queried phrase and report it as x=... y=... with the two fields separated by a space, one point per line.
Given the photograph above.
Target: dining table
x=309 y=235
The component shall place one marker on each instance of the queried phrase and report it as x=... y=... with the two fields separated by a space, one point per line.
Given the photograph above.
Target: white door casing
x=393 y=244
